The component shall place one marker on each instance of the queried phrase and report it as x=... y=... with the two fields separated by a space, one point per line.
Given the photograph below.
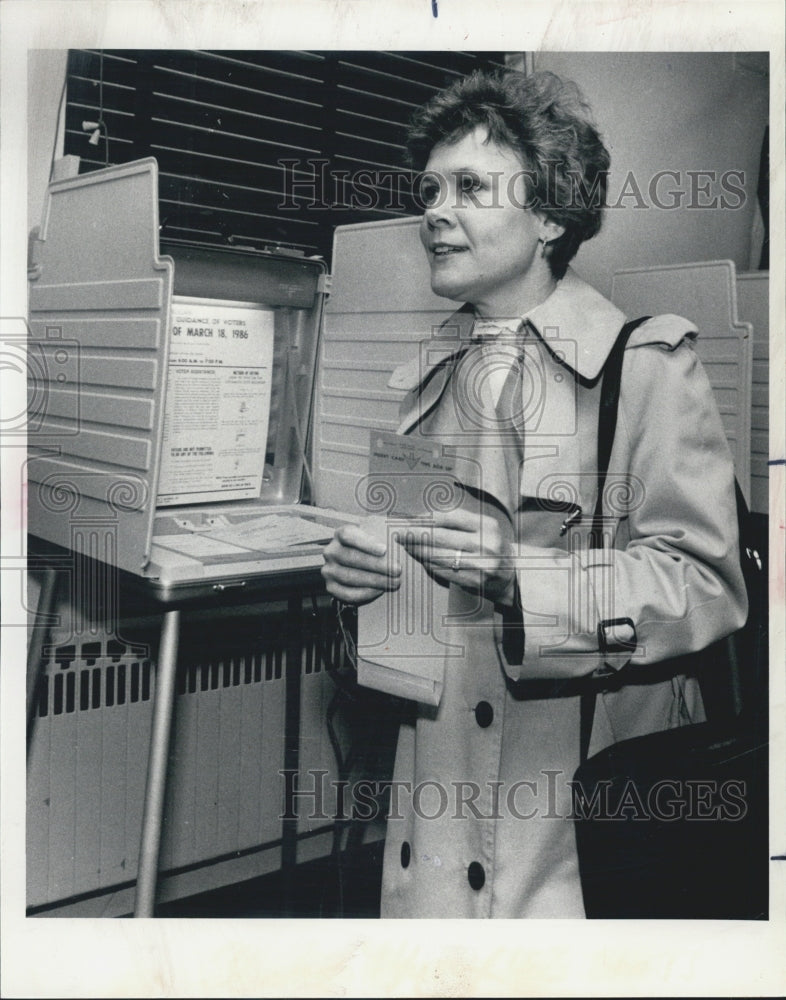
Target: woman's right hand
x=358 y=567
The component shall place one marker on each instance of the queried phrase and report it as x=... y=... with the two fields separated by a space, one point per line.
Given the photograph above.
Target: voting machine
x=171 y=391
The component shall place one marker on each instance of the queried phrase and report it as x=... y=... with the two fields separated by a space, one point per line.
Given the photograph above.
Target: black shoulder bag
x=675 y=824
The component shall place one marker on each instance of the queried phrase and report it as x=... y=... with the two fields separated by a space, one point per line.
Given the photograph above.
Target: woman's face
x=481 y=240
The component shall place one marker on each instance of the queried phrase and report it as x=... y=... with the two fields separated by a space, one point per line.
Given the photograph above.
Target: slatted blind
x=260 y=148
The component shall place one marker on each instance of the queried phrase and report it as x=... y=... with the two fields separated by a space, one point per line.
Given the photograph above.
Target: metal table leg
x=291 y=755
x=157 y=766
x=38 y=634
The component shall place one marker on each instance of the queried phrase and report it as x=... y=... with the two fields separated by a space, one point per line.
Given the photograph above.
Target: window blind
x=259 y=148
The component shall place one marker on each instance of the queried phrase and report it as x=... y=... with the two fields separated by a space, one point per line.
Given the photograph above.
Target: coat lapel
x=428 y=375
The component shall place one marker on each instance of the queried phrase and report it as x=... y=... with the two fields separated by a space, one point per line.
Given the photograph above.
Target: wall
x=671 y=111
x=46 y=69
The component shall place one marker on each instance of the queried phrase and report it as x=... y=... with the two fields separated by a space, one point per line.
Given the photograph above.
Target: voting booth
x=162 y=374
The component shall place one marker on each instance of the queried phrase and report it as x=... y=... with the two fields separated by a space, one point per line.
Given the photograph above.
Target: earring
x=543 y=245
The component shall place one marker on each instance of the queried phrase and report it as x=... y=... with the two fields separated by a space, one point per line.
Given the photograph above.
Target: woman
x=479 y=827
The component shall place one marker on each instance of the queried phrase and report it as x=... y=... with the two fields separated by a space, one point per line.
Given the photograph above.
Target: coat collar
x=574 y=311
x=453 y=334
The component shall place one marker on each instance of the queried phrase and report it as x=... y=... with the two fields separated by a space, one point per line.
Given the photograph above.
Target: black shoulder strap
x=755 y=577
x=607 y=425
x=607 y=419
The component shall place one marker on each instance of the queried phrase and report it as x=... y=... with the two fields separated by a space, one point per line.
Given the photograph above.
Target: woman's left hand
x=467 y=548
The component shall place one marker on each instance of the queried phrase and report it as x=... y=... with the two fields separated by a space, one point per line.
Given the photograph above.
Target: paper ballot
x=408 y=477
x=404 y=636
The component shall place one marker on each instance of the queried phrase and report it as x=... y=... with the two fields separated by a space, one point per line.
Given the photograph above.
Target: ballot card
x=409 y=476
x=404 y=636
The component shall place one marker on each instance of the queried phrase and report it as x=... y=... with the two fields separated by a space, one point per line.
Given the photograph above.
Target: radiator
x=89 y=750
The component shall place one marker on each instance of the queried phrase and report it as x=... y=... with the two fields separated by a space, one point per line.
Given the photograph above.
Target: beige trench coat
x=479 y=820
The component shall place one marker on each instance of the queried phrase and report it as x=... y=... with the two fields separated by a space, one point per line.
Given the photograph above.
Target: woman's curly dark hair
x=547 y=122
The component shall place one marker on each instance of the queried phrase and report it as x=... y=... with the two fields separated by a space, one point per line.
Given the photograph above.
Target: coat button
x=484 y=714
x=476 y=875
x=405 y=854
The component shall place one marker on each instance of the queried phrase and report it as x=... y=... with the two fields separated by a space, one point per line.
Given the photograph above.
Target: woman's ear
x=550 y=230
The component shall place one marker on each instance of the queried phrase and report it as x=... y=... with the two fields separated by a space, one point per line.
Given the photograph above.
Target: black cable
x=339 y=824
x=367 y=751
x=344 y=691
x=101 y=122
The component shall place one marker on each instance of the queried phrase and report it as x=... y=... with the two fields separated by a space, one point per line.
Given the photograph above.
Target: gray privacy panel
x=380 y=308
x=704 y=293
x=99 y=302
